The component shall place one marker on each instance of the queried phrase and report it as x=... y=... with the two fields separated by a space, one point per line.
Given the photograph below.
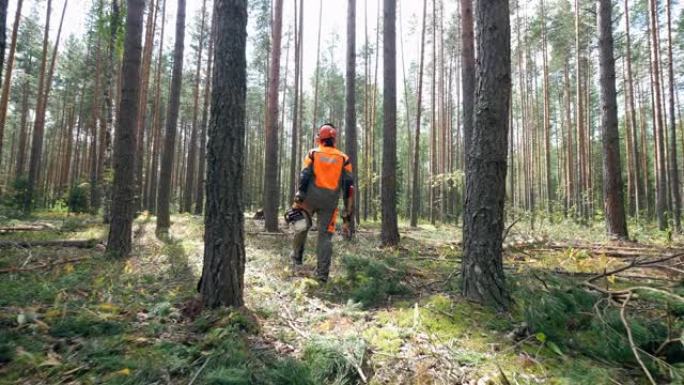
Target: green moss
x=82 y=326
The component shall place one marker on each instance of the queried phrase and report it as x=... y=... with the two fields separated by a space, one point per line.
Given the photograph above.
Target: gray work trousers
x=326 y=228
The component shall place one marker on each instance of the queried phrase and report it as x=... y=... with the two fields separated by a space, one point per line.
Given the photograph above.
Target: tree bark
x=190 y=172
x=482 y=267
x=199 y=206
x=120 y=230
x=163 y=200
x=350 y=108
x=390 y=232
x=7 y=82
x=222 y=280
x=150 y=27
x=661 y=186
x=614 y=205
x=673 y=169
x=639 y=189
x=415 y=201
x=271 y=187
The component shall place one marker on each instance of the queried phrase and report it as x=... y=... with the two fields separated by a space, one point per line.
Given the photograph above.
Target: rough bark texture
x=673 y=169
x=613 y=196
x=163 y=201
x=415 y=202
x=7 y=82
x=222 y=280
x=467 y=71
x=390 y=231
x=120 y=230
x=482 y=268
x=350 y=109
x=271 y=187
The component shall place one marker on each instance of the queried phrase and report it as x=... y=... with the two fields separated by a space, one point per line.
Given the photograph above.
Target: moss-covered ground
x=387 y=316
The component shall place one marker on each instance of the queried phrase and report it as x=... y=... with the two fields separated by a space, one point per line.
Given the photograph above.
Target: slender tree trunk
x=201 y=174
x=482 y=267
x=674 y=170
x=163 y=200
x=639 y=189
x=415 y=201
x=94 y=115
x=314 y=114
x=547 y=120
x=616 y=223
x=271 y=187
x=190 y=171
x=151 y=24
x=120 y=230
x=294 y=158
x=156 y=122
x=222 y=282
x=661 y=188
x=390 y=231
x=350 y=109
x=7 y=81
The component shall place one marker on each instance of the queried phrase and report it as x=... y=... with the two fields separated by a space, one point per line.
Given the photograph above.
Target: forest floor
x=68 y=315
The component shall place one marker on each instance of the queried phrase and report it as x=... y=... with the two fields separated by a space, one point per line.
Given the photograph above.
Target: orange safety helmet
x=327 y=131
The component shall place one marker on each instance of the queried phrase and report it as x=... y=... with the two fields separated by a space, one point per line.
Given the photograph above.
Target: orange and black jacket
x=329 y=168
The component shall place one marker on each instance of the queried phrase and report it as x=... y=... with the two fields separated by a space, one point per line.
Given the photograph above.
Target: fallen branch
x=41 y=266
x=630 y=338
x=79 y=244
x=4 y=230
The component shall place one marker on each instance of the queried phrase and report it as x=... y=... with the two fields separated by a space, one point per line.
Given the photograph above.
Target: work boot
x=296 y=259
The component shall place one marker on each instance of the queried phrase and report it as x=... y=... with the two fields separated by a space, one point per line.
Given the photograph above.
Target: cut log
x=79 y=244
x=16 y=229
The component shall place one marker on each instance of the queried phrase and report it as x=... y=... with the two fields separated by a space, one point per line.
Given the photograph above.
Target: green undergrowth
x=394 y=316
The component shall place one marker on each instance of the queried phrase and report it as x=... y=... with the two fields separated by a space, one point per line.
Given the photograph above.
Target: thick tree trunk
x=390 y=231
x=482 y=267
x=120 y=230
x=415 y=201
x=222 y=280
x=271 y=187
x=614 y=205
x=163 y=200
x=350 y=108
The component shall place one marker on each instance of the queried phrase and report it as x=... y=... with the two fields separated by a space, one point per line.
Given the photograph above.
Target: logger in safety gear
x=326 y=173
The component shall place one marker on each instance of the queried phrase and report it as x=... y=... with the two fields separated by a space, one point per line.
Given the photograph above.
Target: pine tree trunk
x=150 y=27
x=614 y=205
x=120 y=230
x=163 y=200
x=7 y=81
x=271 y=187
x=673 y=169
x=350 y=108
x=390 y=232
x=201 y=174
x=415 y=201
x=661 y=186
x=190 y=170
x=294 y=158
x=222 y=280
x=482 y=267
